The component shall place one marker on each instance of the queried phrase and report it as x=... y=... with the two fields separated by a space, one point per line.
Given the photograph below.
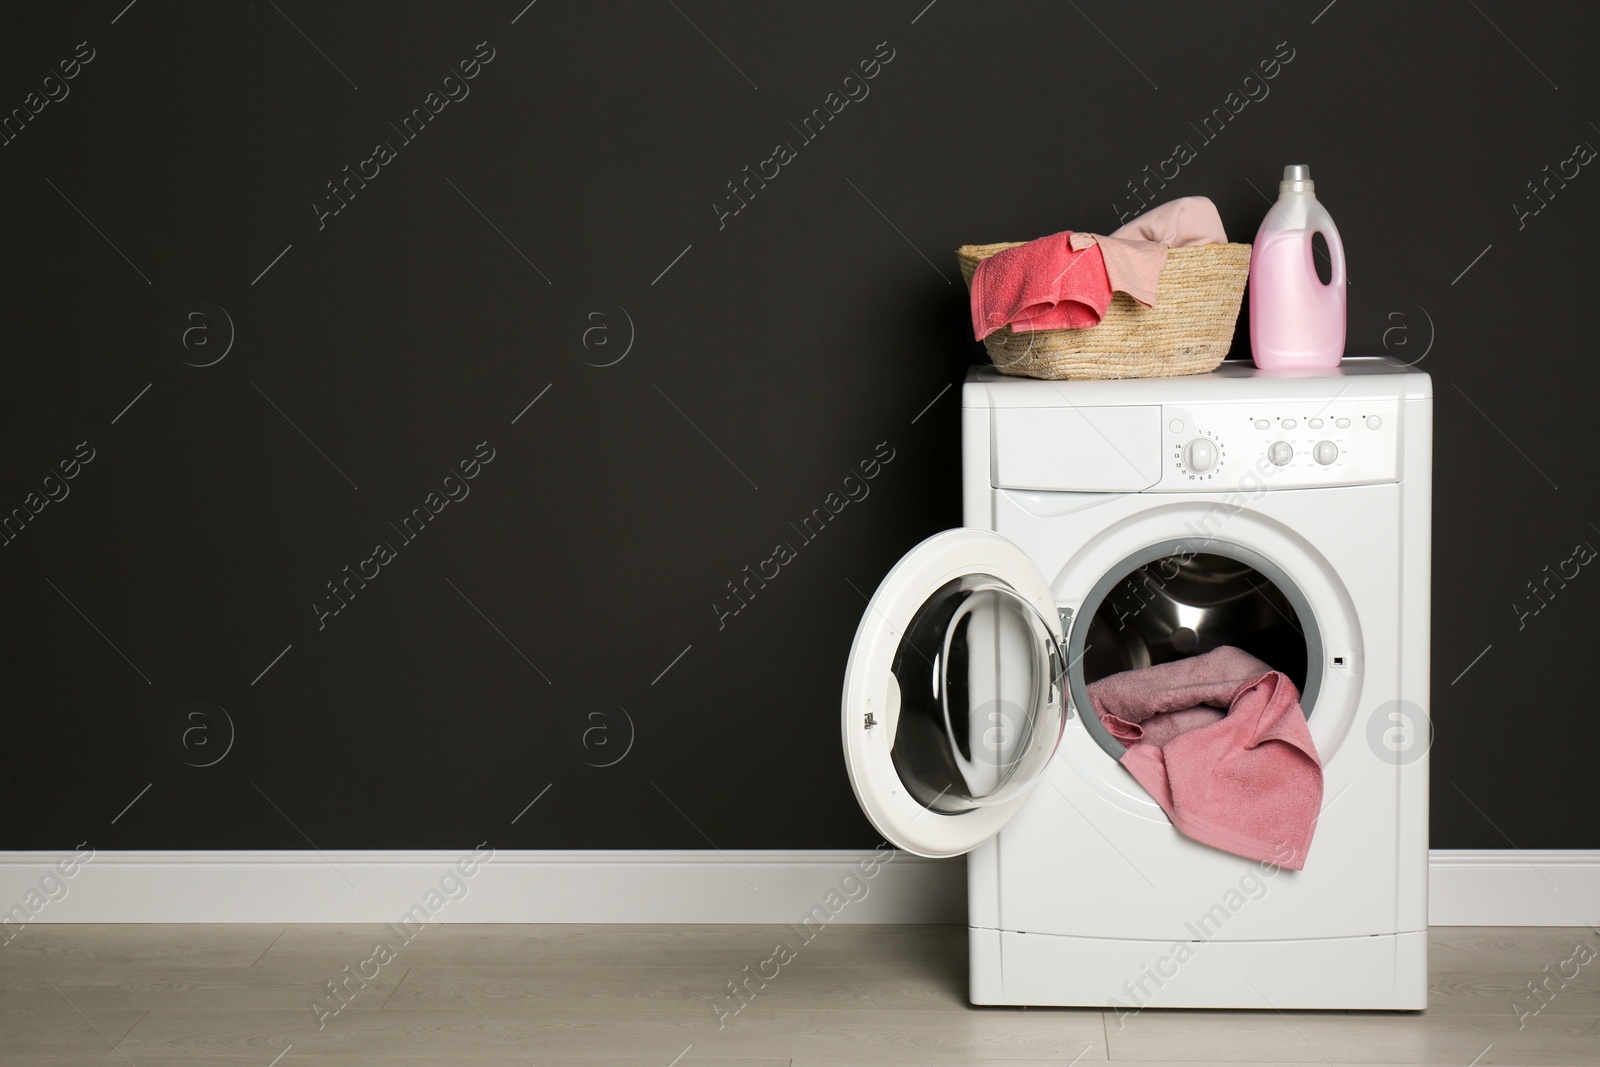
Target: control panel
x=1279 y=444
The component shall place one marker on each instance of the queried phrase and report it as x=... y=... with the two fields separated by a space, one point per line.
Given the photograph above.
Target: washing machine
x=1111 y=525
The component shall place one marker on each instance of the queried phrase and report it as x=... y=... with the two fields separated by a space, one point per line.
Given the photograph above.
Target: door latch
x=1065 y=615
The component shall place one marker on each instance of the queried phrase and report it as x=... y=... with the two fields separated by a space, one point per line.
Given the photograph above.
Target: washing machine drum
x=1183 y=605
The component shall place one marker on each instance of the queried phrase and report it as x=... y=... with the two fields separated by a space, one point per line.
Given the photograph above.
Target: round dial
x=1200 y=455
x=1325 y=452
x=1280 y=452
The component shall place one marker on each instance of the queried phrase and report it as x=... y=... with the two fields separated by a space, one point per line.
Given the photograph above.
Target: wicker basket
x=1189 y=330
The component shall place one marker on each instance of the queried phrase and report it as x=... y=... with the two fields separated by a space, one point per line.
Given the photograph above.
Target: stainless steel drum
x=1185 y=604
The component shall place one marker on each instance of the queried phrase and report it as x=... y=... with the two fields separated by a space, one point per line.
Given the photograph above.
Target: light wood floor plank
x=543 y=1035
x=889 y=986
x=589 y=944
x=640 y=995
x=172 y=1033
x=131 y=946
x=64 y=1030
x=970 y=1036
x=101 y=989
x=477 y=1059
x=1356 y=1037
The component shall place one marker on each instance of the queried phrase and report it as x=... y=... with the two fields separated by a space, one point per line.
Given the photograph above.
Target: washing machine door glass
x=954 y=695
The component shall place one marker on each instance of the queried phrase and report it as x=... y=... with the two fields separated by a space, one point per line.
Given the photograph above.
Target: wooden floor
x=647 y=995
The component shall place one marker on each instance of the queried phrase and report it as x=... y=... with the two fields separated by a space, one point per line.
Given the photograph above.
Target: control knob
x=1280 y=452
x=1325 y=452
x=1200 y=455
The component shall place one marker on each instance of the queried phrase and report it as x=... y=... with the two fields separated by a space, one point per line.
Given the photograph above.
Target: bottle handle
x=1330 y=234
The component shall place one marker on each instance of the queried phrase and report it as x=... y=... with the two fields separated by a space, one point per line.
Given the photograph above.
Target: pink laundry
x=1042 y=285
x=1136 y=254
x=1220 y=742
x=1065 y=281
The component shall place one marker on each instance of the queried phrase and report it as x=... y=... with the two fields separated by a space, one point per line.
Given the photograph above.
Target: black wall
x=511 y=250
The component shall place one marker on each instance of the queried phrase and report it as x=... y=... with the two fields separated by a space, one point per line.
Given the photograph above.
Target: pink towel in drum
x=1220 y=742
x=1042 y=285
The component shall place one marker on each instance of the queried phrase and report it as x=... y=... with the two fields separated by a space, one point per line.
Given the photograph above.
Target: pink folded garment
x=1136 y=254
x=1188 y=220
x=1246 y=779
x=1042 y=285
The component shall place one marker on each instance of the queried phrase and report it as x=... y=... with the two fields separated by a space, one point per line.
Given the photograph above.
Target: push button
x=1373 y=422
x=1289 y=424
x=1263 y=424
x=1315 y=424
x=1343 y=424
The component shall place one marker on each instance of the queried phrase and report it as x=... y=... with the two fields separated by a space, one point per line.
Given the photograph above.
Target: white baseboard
x=510 y=887
x=1549 y=887
x=1468 y=888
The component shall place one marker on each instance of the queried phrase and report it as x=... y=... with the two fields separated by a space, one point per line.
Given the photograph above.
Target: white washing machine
x=1116 y=524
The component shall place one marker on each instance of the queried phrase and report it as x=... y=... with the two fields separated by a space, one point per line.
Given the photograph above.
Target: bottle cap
x=1297 y=179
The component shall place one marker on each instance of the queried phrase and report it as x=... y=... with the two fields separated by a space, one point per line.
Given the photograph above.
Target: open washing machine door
x=954 y=697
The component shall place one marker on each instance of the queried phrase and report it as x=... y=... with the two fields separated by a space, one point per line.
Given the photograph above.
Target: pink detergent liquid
x=1295 y=319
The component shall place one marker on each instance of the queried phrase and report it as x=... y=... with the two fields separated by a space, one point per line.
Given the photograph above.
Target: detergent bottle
x=1295 y=319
